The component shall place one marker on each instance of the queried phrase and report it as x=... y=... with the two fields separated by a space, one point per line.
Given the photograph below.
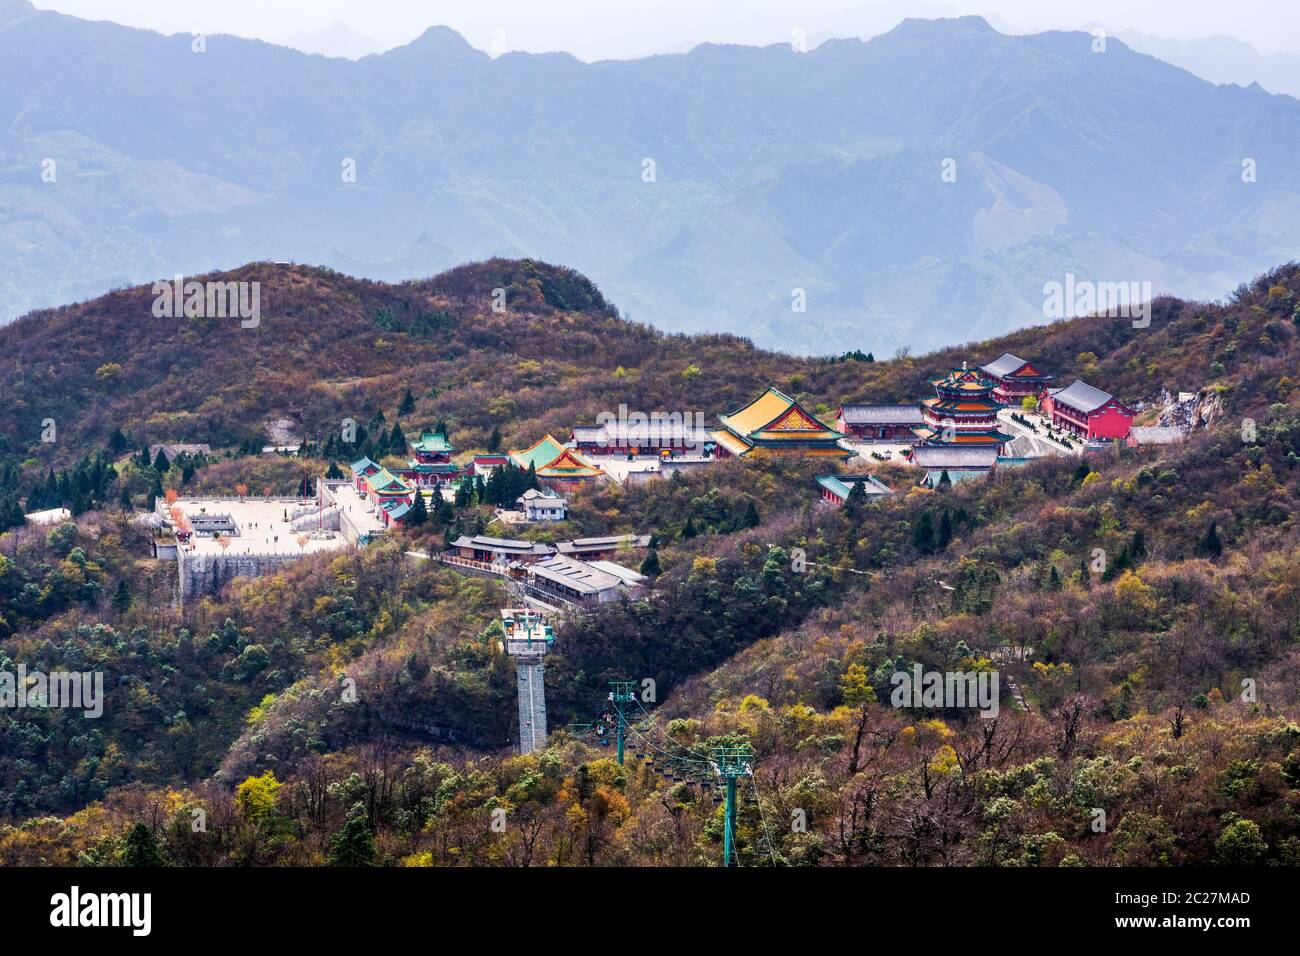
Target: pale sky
x=596 y=29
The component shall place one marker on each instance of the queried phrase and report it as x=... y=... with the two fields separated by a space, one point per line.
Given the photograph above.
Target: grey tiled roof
x=1082 y=396
x=582 y=577
x=604 y=544
x=505 y=545
x=949 y=456
x=881 y=414
x=1004 y=364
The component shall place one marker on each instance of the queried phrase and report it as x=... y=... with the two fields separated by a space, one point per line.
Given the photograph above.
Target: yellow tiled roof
x=758 y=413
x=730 y=442
x=771 y=407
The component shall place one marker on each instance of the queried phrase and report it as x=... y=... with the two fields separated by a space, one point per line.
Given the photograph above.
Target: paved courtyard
x=261 y=527
x=360 y=511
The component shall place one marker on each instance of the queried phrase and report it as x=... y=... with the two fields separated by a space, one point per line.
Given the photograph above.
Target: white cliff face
x=1190 y=410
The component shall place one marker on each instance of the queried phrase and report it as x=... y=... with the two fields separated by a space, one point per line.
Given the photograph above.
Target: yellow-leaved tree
x=256 y=797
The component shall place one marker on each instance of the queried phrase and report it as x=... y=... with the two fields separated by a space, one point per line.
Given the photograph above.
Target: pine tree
x=1054 y=580
x=141 y=847
x=945 y=530
x=334 y=472
x=1138 y=547
x=1116 y=567
x=419 y=513
x=125 y=501
x=464 y=493
x=397 y=440
x=857 y=499
x=944 y=480
x=161 y=464
x=494 y=440
x=408 y=404
x=353 y=845
x=751 y=518
x=688 y=529
x=495 y=488
x=1210 y=546
x=650 y=566
x=122 y=599
x=923 y=533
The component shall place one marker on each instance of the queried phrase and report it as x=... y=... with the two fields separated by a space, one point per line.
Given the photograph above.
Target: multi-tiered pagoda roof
x=963 y=411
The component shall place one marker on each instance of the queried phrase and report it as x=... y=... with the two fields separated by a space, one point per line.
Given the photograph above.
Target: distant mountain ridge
x=1221 y=59
x=779 y=178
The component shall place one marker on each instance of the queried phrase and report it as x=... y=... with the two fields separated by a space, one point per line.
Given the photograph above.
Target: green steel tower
x=621 y=693
x=730 y=763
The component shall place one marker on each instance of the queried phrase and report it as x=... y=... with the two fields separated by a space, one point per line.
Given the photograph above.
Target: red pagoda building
x=1014 y=379
x=964 y=412
x=431 y=462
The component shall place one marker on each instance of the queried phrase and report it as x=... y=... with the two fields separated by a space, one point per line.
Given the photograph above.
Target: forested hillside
x=1160 y=689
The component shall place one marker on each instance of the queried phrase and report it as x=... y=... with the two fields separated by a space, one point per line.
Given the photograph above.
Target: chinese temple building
x=776 y=424
x=958 y=462
x=393 y=511
x=1014 y=379
x=880 y=423
x=432 y=448
x=558 y=466
x=963 y=412
x=383 y=486
x=391 y=494
x=1088 y=412
x=837 y=488
x=486 y=464
x=362 y=470
x=431 y=460
x=651 y=436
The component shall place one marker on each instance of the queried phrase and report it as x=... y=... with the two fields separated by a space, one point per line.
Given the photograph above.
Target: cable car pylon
x=621 y=693
x=731 y=763
x=721 y=766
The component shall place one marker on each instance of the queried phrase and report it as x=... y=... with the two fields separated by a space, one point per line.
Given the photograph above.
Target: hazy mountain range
x=1222 y=59
x=774 y=171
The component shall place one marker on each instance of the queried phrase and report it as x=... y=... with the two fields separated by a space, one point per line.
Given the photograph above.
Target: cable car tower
x=706 y=772
x=527 y=639
x=730 y=763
